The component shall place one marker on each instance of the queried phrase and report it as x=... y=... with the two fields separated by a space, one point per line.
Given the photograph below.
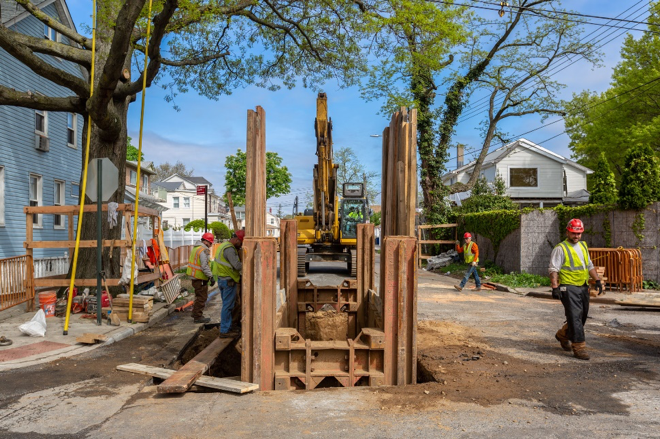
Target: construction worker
x=199 y=269
x=228 y=268
x=570 y=268
x=355 y=214
x=470 y=252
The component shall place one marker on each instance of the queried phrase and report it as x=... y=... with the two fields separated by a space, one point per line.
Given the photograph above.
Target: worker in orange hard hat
x=200 y=271
x=228 y=268
x=470 y=252
x=570 y=268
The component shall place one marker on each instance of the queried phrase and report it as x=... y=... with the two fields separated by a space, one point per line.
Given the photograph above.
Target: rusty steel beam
x=255 y=186
x=289 y=268
x=366 y=256
x=258 y=325
x=399 y=294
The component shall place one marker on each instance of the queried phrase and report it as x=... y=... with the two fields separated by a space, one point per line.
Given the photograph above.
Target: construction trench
x=356 y=333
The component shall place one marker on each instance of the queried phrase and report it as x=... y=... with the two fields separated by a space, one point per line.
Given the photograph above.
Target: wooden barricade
x=623 y=267
x=422 y=232
x=16 y=284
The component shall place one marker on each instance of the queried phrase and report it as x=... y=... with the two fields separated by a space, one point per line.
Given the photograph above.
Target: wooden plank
x=231 y=210
x=226 y=384
x=437 y=241
x=438 y=226
x=72 y=244
x=50 y=282
x=89 y=338
x=181 y=380
x=75 y=209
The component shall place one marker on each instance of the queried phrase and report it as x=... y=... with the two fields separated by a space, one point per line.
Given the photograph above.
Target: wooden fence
x=16 y=284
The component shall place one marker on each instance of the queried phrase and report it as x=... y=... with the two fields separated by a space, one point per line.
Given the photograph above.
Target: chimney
x=459 y=155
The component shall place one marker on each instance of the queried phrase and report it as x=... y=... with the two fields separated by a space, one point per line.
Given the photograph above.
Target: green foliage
x=603 y=184
x=375 y=218
x=278 y=177
x=481 y=187
x=627 y=113
x=499 y=185
x=638 y=226
x=607 y=231
x=521 y=280
x=494 y=225
x=485 y=203
x=132 y=152
x=220 y=231
x=650 y=285
x=640 y=183
x=351 y=170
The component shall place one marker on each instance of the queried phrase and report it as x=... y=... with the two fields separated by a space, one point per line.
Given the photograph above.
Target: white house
x=534 y=176
x=272 y=222
x=179 y=195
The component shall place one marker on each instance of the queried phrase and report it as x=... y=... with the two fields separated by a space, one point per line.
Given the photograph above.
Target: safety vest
x=467 y=253
x=573 y=272
x=221 y=266
x=195 y=263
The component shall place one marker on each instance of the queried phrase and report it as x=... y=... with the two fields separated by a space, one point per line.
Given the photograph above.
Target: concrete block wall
x=508 y=256
x=539 y=235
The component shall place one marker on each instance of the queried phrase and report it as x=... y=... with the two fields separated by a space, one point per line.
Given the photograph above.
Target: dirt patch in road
x=456 y=364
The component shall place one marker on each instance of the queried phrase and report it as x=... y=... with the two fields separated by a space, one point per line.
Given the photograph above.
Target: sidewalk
x=27 y=351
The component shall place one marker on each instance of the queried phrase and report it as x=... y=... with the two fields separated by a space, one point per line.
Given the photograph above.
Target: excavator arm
x=325 y=176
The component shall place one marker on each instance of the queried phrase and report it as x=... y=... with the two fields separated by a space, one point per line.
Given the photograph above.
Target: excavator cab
x=353 y=210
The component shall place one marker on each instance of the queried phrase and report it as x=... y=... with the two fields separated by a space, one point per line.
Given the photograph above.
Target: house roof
x=12 y=12
x=169 y=186
x=145 y=199
x=197 y=180
x=145 y=166
x=499 y=154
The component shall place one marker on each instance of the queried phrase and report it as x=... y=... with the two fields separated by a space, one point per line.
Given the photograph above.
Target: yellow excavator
x=328 y=231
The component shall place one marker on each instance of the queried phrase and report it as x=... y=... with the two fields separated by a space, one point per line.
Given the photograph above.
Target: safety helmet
x=575 y=225
x=208 y=236
x=467 y=235
x=240 y=235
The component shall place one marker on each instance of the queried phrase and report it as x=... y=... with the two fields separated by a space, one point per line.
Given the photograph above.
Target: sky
x=205 y=131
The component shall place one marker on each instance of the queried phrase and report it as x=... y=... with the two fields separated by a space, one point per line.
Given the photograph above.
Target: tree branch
x=193 y=61
x=71 y=104
x=41 y=67
x=54 y=24
x=47 y=47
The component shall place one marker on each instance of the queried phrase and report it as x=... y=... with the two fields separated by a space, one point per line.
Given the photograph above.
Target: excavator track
x=352 y=264
x=302 y=263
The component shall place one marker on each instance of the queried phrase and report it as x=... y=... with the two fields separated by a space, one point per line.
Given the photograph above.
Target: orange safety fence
x=623 y=267
x=16 y=285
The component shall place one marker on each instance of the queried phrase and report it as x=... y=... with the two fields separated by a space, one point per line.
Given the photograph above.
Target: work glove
x=556 y=293
x=599 y=287
x=212 y=281
x=458 y=242
x=474 y=263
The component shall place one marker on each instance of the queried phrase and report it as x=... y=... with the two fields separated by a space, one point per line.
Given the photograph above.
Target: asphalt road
x=521 y=385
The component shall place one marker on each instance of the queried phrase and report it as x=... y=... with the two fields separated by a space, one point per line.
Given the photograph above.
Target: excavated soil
x=229 y=361
x=327 y=325
x=457 y=365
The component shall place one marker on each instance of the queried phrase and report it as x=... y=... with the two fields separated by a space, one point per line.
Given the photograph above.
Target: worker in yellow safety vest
x=200 y=271
x=570 y=269
x=228 y=267
x=470 y=252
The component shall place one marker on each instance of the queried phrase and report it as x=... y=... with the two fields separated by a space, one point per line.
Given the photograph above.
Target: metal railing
x=623 y=267
x=16 y=285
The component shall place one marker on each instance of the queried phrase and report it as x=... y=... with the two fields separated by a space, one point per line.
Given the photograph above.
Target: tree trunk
x=482 y=155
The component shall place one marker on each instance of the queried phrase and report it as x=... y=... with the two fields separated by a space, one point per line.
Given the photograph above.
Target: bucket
x=47 y=302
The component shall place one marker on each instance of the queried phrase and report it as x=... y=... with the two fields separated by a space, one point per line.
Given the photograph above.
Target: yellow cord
x=139 y=165
x=81 y=195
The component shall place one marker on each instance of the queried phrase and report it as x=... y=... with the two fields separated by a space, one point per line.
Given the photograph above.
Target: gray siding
x=575 y=179
x=19 y=157
x=550 y=174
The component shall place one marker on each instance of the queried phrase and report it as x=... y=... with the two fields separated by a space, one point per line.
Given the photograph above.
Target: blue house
x=40 y=151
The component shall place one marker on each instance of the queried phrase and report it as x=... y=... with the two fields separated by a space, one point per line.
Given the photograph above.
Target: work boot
x=580 y=351
x=563 y=339
x=477 y=289
x=459 y=288
x=202 y=319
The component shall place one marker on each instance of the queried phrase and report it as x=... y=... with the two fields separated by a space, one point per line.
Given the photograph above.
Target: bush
x=521 y=280
x=220 y=231
x=486 y=203
x=640 y=182
x=604 y=185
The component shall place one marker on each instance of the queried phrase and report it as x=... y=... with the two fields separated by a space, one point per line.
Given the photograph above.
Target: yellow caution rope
x=139 y=165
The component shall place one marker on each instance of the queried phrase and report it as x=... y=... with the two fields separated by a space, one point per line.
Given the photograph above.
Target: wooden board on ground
x=226 y=384
x=89 y=338
x=641 y=302
x=185 y=377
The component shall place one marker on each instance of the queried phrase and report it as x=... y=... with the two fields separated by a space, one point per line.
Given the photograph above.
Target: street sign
x=201 y=190
x=109 y=179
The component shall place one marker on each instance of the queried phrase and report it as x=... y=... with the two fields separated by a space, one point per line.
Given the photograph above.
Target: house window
x=186 y=203
x=36 y=199
x=51 y=34
x=58 y=200
x=186 y=221
x=523 y=177
x=272 y=221
x=133 y=178
x=71 y=125
x=75 y=190
x=2 y=196
x=175 y=202
x=145 y=184
x=41 y=122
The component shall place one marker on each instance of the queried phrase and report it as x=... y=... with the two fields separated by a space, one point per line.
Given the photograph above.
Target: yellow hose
x=139 y=165
x=84 y=184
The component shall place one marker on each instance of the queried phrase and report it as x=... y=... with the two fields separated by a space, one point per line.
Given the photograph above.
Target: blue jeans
x=472 y=270
x=228 y=295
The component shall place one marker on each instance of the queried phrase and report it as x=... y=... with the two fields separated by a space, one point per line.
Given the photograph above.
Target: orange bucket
x=47 y=302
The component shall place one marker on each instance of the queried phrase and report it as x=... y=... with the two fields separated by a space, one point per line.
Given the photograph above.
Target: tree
x=640 y=184
x=487 y=196
x=278 y=177
x=375 y=218
x=220 y=231
x=350 y=170
x=132 y=152
x=166 y=169
x=626 y=114
x=413 y=40
x=211 y=47
x=603 y=183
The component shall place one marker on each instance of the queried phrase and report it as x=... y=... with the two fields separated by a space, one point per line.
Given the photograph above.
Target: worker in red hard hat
x=470 y=252
x=570 y=269
x=227 y=266
x=200 y=271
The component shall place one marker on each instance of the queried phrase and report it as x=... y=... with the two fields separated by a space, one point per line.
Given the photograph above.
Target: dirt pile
x=327 y=325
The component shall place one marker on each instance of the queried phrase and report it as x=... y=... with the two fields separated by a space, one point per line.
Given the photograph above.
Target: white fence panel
x=177 y=238
x=56 y=266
